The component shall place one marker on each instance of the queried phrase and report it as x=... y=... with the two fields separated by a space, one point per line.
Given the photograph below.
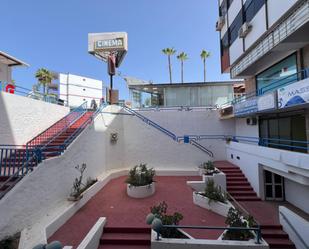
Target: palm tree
x=182 y=57
x=204 y=56
x=45 y=78
x=169 y=52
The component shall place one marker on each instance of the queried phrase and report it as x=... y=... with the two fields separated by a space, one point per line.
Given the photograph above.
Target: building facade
x=266 y=43
x=75 y=89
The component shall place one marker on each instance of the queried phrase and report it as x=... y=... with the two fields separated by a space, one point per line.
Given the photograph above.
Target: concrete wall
x=23 y=118
x=52 y=180
x=275 y=10
x=305 y=55
x=195 y=122
x=5 y=73
x=242 y=129
x=295 y=193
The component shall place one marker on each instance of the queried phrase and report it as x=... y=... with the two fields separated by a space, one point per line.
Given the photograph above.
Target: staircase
x=17 y=161
x=240 y=189
x=125 y=238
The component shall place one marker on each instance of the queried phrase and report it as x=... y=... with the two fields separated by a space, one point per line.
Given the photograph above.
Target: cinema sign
x=109 y=44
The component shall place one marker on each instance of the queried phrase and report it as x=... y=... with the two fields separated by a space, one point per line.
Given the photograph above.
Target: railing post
x=258 y=235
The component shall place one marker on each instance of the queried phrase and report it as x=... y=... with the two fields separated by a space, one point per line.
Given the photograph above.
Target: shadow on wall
x=54 y=177
x=6 y=132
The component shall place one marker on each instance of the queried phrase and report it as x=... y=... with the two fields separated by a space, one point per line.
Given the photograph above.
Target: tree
x=169 y=52
x=182 y=57
x=45 y=78
x=204 y=56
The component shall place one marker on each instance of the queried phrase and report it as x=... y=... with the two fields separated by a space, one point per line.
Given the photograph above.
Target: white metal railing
x=299 y=17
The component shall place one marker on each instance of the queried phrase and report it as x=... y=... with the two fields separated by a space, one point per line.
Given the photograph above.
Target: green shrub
x=160 y=211
x=209 y=168
x=140 y=175
x=235 y=219
x=214 y=193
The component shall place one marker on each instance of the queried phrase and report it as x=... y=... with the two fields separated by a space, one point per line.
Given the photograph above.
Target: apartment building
x=266 y=43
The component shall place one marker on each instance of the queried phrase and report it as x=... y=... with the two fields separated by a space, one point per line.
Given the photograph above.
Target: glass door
x=274 y=186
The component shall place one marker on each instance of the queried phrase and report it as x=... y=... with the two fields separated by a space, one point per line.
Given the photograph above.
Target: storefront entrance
x=274 y=186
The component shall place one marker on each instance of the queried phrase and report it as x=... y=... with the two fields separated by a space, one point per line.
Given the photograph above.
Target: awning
x=10 y=60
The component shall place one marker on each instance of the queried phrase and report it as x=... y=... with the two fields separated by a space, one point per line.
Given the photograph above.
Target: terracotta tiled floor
x=112 y=202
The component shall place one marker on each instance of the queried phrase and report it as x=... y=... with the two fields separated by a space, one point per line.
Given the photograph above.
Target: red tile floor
x=112 y=202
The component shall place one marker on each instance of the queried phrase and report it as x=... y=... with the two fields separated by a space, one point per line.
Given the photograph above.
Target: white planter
x=192 y=243
x=219 y=179
x=140 y=191
x=217 y=207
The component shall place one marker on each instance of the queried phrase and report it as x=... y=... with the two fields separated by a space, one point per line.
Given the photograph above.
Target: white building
x=75 y=89
x=266 y=43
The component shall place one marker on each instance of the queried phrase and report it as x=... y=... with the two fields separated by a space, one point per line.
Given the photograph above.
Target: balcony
x=288 y=92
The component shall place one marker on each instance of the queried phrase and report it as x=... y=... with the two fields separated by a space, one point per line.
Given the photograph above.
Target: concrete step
x=127 y=230
x=239 y=188
x=274 y=233
x=280 y=243
x=235 y=179
x=246 y=198
x=238 y=183
x=242 y=193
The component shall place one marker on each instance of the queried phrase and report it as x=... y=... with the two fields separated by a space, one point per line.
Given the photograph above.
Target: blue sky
x=53 y=34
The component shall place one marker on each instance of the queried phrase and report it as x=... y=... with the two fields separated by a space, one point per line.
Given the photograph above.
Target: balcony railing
x=26 y=92
x=284 y=81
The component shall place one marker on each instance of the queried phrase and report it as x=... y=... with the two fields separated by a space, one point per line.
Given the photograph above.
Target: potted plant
x=213 y=198
x=140 y=182
x=208 y=168
x=235 y=219
x=78 y=186
x=160 y=212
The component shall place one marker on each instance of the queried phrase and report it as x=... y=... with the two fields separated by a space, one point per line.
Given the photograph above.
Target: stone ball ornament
x=156 y=225
x=149 y=218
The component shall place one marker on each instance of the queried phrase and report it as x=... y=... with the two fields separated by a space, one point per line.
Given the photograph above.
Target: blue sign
x=246 y=107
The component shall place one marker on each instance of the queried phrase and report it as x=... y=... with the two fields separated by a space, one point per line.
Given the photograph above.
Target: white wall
x=258 y=28
x=234 y=10
x=295 y=193
x=242 y=129
x=236 y=50
x=23 y=118
x=5 y=73
x=197 y=122
x=49 y=185
x=275 y=10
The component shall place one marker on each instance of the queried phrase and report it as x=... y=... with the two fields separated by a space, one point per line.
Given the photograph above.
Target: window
x=224 y=42
x=251 y=7
x=234 y=28
x=282 y=73
x=284 y=132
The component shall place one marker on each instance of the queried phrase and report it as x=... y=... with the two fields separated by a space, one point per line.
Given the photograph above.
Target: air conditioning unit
x=252 y=121
x=244 y=30
x=220 y=23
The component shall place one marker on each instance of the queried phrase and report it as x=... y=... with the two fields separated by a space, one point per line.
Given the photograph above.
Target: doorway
x=274 y=186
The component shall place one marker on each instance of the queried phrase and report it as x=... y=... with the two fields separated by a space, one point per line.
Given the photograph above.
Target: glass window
x=251 y=7
x=234 y=27
x=283 y=73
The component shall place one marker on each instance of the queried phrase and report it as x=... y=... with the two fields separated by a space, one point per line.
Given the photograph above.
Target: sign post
x=110 y=48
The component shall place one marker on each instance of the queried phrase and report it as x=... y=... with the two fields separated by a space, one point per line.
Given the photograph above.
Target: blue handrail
x=167 y=132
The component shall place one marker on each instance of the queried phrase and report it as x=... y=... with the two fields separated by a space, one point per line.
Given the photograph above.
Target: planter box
x=192 y=243
x=219 y=179
x=140 y=191
x=217 y=207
